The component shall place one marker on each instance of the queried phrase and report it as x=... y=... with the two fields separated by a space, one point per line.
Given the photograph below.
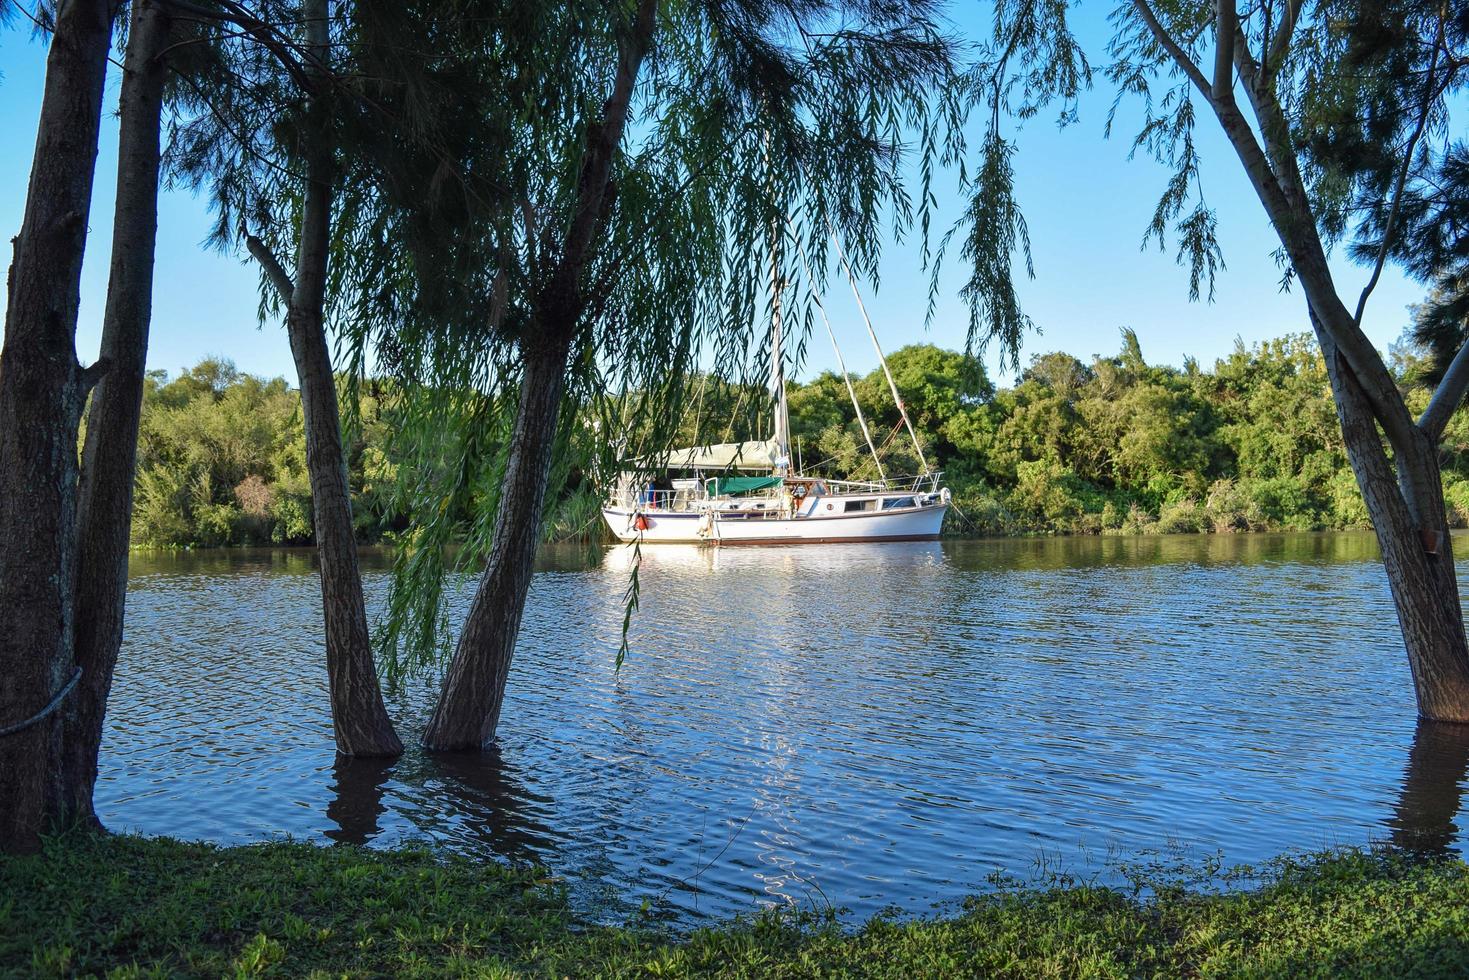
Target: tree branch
x=90 y=375
x=596 y=168
x=1223 y=87
x=273 y=268
x=1277 y=179
x=256 y=28
x=1180 y=58
x=1446 y=399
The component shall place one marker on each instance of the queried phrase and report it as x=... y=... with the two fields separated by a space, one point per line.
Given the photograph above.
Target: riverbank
x=147 y=907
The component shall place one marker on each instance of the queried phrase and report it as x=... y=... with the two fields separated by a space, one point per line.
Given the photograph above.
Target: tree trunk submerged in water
x=474 y=687
x=1408 y=514
x=108 y=461
x=42 y=393
x=359 y=718
x=1404 y=496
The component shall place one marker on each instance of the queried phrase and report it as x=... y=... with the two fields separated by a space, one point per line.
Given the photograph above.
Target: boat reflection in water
x=774 y=561
x=869 y=725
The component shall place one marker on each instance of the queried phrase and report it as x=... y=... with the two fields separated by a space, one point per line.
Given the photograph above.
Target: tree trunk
x=1417 y=552
x=1406 y=505
x=359 y=718
x=474 y=688
x=42 y=392
x=105 y=506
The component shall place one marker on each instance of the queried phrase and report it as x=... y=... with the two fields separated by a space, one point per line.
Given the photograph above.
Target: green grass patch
x=132 y=907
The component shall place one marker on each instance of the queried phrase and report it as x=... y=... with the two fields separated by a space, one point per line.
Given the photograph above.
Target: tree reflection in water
x=478 y=802
x=484 y=802
x=1433 y=788
x=357 y=798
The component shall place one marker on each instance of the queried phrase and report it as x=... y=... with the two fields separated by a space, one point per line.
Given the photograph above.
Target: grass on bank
x=132 y=907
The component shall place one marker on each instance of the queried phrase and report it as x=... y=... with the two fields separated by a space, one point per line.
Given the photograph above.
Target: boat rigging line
x=841 y=362
x=892 y=385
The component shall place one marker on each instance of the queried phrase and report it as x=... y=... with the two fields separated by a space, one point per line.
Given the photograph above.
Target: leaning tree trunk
x=474 y=688
x=42 y=392
x=1407 y=510
x=1406 y=504
x=359 y=717
x=106 y=496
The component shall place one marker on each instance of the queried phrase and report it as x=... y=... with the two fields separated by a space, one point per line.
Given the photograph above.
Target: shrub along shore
x=1113 y=445
x=126 y=906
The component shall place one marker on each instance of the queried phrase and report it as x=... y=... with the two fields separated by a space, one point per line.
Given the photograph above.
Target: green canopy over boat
x=744 y=484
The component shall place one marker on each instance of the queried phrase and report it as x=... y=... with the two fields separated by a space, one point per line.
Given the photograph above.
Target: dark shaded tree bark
x=42 y=392
x=474 y=689
x=469 y=705
x=359 y=717
x=105 y=504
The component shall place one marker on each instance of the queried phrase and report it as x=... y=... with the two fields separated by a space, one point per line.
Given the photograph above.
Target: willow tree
x=1282 y=80
x=266 y=138
x=43 y=390
x=645 y=168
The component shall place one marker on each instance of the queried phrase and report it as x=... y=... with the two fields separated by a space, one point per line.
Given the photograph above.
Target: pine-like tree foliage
x=1402 y=68
x=1366 y=90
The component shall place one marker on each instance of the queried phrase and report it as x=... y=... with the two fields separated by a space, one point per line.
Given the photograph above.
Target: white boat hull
x=908 y=524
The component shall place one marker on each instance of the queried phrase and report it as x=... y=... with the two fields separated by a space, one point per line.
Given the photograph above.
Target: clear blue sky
x=1085 y=202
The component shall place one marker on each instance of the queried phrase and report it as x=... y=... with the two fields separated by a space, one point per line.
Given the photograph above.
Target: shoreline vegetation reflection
x=854 y=726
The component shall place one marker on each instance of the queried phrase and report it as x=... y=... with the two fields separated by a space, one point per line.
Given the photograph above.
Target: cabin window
x=893 y=503
x=852 y=505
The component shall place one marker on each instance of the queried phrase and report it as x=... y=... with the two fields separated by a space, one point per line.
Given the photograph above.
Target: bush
x=1456 y=501
x=160 y=499
x=1052 y=496
x=291 y=513
x=1227 y=508
x=1280 y=502
x=1183 y=517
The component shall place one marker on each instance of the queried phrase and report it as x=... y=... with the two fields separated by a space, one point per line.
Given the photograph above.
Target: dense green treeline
x=222 y=461
x=1116 y=445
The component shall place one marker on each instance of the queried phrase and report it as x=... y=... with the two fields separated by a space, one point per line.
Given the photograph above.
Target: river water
x=857 y=726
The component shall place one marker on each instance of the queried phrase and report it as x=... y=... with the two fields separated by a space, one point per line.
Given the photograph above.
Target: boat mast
x=777 y=359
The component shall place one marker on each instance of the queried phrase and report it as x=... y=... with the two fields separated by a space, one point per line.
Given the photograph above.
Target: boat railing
x=644 y=499
x=907 y=484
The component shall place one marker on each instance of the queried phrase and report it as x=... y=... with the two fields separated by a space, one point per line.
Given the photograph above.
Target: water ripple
x=860 y=726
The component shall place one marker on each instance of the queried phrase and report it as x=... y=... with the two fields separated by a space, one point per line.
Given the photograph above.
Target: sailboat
x=749 y=493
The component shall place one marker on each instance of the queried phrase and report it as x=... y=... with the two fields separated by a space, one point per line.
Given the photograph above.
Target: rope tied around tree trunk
x=41 y=715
